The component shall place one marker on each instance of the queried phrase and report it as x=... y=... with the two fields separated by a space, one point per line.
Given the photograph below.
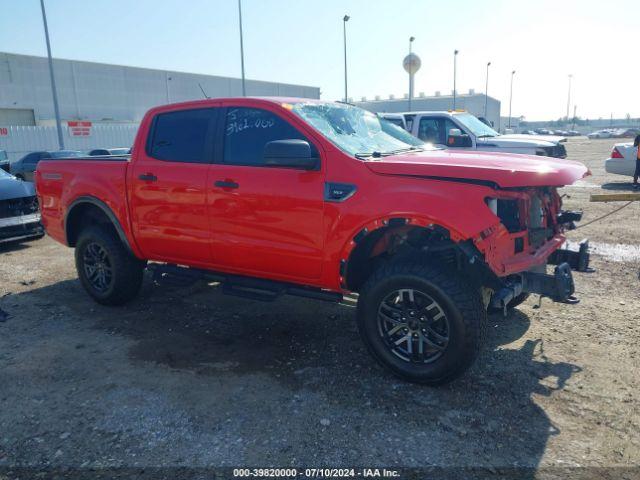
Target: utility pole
x=56 y=109
x=486 y=91
x=569 y=96
x=345 y=19
x=244 y=88
x=455 y=57
x=411 y=39
x=511 y=97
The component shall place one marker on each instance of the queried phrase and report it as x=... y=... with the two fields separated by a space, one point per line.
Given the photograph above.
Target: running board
x=238 y=285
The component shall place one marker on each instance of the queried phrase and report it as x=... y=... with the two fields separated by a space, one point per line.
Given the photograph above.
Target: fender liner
x=87 y=199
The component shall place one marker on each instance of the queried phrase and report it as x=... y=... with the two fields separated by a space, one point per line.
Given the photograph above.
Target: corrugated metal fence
x=22 y=140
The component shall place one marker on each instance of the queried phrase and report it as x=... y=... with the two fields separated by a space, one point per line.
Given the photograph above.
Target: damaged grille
x=16 y=207
x=509 y=214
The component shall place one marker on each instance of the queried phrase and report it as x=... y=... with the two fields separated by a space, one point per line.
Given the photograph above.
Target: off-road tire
x=519 y=299
x=460 y=301
x=126 y=270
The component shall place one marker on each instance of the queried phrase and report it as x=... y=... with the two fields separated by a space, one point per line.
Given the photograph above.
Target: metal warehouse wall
x=22 y=140
x=473 y=103
x=100 y=92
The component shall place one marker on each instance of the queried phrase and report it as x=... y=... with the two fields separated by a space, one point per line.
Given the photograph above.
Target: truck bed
x=61 y=181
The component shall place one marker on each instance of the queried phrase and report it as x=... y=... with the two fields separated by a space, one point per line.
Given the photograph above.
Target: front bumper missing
x=578 y=261
x=559 y=287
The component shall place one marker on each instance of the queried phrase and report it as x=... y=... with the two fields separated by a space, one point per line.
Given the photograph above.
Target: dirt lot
x=189 y=377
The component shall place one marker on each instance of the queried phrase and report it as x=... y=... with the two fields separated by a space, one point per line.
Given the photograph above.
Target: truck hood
x=514 y=141
x=503 y=169
x=11 y=187
x=555 y=139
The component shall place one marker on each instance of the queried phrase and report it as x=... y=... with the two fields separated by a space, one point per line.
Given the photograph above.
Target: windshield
x=475 y=126
x=357 y=131
x=65 y=154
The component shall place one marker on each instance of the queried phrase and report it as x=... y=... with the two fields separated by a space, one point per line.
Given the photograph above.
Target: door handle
x=226 y=184
x=148 y=177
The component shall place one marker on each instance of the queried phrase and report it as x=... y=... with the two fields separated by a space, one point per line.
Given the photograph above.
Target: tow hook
x=559 y=287
x=578 y=261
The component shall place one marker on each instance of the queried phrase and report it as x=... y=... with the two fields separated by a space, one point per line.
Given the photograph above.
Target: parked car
x=625 y=133
x=461 y=130
x=599 y=134
x=109 y=151
x=573 y=133
x=543 y=131
x=24 y=168
x=19 y=215
x=529 y=132
x=622 y=160
x=304 y=197
x=4 y=161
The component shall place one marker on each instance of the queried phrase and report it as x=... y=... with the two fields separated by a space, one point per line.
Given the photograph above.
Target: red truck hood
x=504 y=169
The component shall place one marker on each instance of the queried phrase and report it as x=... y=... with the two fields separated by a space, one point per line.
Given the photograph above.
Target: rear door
x=168 y=187
x=265 y=221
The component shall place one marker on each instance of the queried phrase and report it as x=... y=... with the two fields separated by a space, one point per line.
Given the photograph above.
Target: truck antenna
x=202 y=90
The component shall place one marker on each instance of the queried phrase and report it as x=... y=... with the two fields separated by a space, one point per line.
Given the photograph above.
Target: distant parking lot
x=189 y=377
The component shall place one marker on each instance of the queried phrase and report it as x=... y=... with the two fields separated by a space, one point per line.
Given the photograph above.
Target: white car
x=600 y=134
x=462 y=130
x=622 y=160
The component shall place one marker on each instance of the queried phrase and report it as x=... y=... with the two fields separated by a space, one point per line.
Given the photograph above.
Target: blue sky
x=301 y=42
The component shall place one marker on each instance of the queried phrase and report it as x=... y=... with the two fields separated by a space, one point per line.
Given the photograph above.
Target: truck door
x=265 y=221
x=432 y=129
x=168 y=187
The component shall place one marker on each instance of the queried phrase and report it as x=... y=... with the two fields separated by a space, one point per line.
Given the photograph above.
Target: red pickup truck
x=276 y=196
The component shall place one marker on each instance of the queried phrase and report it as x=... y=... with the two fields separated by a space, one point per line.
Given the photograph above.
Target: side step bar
x=238 y=285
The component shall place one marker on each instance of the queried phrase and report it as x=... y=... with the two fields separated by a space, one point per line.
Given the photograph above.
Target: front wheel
x=107 y=270
x=423 y=323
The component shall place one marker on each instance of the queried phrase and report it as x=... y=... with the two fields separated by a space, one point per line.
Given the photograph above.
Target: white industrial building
x=103 y=93
x=471 y=102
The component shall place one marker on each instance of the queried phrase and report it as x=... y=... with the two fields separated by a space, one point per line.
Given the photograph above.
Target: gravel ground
x=189 y=377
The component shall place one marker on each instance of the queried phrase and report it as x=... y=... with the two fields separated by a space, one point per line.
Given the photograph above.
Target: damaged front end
x=528 y=237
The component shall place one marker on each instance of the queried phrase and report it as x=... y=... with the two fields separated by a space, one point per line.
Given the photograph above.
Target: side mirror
x=457 y=139
x=291 y=153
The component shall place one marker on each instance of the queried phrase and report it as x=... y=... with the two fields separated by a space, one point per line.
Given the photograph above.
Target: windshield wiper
x=403 y=150
x=373 y=154
x=486 y=135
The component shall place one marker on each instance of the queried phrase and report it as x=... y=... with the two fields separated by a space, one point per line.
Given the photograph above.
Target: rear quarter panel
x=60 y=182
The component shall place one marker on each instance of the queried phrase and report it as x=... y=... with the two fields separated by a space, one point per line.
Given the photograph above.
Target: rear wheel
x=424 y=324
x=107 y=270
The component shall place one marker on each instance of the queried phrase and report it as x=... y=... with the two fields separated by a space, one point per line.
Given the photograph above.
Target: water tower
x=411 y=64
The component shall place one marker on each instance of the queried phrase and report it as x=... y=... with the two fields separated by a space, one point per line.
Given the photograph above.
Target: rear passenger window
x=248 y=130
x=183 y=136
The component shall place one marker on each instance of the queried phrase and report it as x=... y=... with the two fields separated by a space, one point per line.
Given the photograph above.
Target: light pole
x=511 y=97
x=345 y=19
x=411 y=39
x=244 y=88
x=455 y=57
x=486 y=91
x=569 y=96
x=56 y=109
